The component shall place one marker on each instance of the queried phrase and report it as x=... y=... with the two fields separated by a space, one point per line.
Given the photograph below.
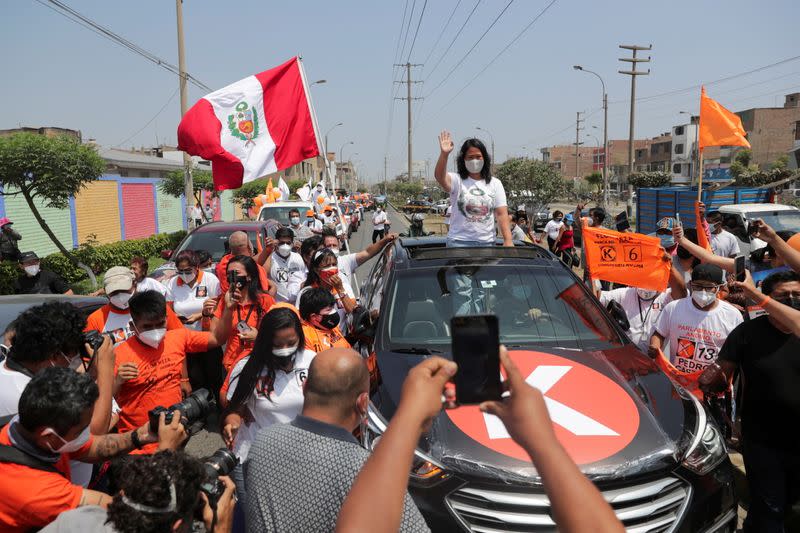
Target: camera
x=235 y=280
x=94 y=339
x=220 y=464
x=194 y=408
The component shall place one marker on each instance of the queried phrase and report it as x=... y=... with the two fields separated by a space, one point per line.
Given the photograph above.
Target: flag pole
x=319 y=148
x=700 y=178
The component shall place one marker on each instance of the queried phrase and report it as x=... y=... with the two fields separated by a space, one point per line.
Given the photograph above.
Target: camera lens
x=196 y=406
x=221 y=463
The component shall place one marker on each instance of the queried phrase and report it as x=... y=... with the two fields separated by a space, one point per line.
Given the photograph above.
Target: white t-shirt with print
x=695 y=336
x=642 y=315
x=150 y=284
x=474 y=202
x=285 y=401
x=552 y=227
x=187 y=300
x=725 y=244
x=288 y=274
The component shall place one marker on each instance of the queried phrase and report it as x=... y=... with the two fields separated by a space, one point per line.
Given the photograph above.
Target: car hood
x=641 y=416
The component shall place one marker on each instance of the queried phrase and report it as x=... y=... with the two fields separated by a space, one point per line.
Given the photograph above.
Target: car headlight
x=707 y=448
x=425 y=471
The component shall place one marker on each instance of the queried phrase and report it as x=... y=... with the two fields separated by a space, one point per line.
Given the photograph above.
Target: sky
x=58 y=73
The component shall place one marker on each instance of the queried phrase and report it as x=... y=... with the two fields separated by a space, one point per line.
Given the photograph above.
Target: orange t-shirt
x=33 y=498
x=222 y=274
x=318 y=340
x=108 y=319
x=158 y=382
x=235 y=349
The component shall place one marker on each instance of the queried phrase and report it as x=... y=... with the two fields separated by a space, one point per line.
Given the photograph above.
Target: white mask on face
x=187 y=278
x=152 y=337
x=703 y=298
x=32 y=270
x=284 y=352
x=335 y=251
x=120 y=300
x=284 y=250
x=474 y=165
x=69 y=446
x=645 y=294
x=294 y=221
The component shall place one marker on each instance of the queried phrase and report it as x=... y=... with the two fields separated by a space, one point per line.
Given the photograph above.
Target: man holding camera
x=52 y=427
x=149 y=364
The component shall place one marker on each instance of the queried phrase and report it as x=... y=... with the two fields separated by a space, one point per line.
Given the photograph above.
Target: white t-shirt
x=379 y=220
x=197 y=213
x=642 y=315
x=448 y=212
x=12 y=383
x=695 y=336
x=187 y=300
x=288 y=274
x=552 y=227
x=725 y=244
x=314 y=225
x=517 y=234
x=475 y=201
x=347 y=265
x=150 y=284
x=285 y=401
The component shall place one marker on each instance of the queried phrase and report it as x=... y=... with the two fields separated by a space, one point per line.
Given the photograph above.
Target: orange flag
x=631 y=258
x=702 y=238
x=687 y=380
x=718 y=126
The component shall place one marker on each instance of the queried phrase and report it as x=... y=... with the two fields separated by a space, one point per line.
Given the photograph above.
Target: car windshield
x=778 y=220
x=281 y=214
x=215 y=243
x=535 y=306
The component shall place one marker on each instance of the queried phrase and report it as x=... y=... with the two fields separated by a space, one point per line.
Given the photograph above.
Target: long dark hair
x=313 y=268
x=261 y=357
x=486 y=171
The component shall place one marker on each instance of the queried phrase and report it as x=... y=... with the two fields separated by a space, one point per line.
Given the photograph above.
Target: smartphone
x=234 y=280
x=738 y=264
x=622 y=221
x=678 y=219
x=476 y=350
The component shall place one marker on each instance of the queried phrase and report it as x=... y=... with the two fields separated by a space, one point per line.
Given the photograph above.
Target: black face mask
x=790 y=301
x=329 y=321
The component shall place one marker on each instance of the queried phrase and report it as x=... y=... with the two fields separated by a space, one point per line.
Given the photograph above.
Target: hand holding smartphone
x=476 y=350
x=738 y=264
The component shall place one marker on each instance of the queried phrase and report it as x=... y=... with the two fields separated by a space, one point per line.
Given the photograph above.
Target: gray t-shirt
x=298 y=475
x=89 y=518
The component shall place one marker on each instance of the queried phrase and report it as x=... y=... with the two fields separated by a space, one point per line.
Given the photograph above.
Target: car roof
x=225 y=227
x=751 y=208
x=292 y=203
x=415 y=252
x=12 y=305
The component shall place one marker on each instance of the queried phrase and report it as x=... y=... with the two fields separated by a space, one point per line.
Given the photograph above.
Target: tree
x=650 y=179
x=243 y=196
x=742 y=168
x=595 y=179
x=50 y=169
x=295 y=184
x=173 y=184
x=529 y=180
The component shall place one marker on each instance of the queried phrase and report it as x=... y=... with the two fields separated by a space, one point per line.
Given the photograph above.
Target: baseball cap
x=24 y=257
x=708 y=272
x=310 y=213
x=666 y=223
x=4 y=221
x=569 y=218
x=118 y=278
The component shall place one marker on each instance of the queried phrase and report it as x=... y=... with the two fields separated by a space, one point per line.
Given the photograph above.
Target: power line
x=447 y=76
x=514 y=40
x=416 y=32
x=441 y=34
x=408 y=27
x=140 y=130
x=69 y=13
x=400 y=36
x=455 y=37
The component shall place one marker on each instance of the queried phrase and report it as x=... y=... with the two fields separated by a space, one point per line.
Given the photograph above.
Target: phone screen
x=476 y=350
x=622 y=221
x=738 y=264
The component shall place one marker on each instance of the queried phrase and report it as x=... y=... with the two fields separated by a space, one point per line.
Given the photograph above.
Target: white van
x=737 y=217
x=280 y=211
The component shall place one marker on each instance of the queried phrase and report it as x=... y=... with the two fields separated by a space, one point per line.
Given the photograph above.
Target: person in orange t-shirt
x=239 y=244
x=149 y=364
x=321 y=320
x=251 y=304
x=55 y=411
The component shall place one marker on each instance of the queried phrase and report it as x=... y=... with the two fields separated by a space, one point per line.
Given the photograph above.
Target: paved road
x=208 y=440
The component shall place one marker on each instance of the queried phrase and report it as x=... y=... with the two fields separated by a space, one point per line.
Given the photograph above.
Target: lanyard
x=650 y=308
x=239 y=314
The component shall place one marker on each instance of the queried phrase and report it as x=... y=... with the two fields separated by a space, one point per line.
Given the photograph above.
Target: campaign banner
x=632 y=259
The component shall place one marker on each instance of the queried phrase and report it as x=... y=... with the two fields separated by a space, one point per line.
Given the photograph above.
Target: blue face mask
x=667 y=241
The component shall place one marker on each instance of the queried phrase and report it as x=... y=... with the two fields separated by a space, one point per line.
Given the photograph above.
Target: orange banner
x=702 y=238
x=632 y=259
x=687 y=380
x=718 y=126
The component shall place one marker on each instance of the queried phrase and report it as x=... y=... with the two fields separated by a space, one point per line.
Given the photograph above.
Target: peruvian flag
x=254 y=127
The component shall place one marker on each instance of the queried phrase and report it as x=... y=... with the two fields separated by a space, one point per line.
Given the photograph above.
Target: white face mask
x=335 y=251
x=69 y=446
x=152 y=337
x=187 y=278
x=120 y=300
x=32 y=270
x=645 y=294
x=474 y=165
x=284 y=250
x=294 y=221
x=703 y=298
x=284 y=352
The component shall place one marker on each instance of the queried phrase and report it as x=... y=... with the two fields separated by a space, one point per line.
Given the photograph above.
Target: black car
x=648 y=445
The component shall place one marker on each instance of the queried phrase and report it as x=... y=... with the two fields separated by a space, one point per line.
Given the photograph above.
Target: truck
x=738 y=205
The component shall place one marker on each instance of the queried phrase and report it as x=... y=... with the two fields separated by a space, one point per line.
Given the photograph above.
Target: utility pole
x=578 y=142
x=633 y=73
x=386 y=175
x=188 y=187
x=408 y=100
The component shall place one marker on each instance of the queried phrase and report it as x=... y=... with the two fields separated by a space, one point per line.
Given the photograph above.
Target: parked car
x=649 y=446
x=12 y=306
x=737 y=218
x=213 y=238
x=280 y=211
x=441 y=206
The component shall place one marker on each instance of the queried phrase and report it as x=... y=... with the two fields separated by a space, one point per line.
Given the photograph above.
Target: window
x=679 y=148
x=557 y=165
x=676 y=168
x=654 y=149
x=678 y=130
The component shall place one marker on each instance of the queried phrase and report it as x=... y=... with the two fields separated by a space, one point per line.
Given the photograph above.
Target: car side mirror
x=618 y=314
x=166 y=254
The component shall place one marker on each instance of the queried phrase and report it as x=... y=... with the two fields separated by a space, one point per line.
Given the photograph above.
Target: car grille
x=645 y=507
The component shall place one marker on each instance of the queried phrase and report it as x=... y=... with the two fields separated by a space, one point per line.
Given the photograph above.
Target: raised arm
x=789 y=255
x=372 y=250
x=725 y=263
x=104 y=363
x=789 y=317
x=440 y=172
x=221 y=326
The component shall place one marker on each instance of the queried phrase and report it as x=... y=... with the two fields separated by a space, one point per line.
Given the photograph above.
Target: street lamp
x=342 y=148
x=693 y=166
x=491 y=137
x=325 y=155
x=605 y=132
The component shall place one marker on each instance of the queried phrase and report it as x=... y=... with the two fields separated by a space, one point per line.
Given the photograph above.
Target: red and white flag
x=251 y=128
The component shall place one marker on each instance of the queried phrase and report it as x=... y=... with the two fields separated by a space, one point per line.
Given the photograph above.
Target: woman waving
x=479 y=199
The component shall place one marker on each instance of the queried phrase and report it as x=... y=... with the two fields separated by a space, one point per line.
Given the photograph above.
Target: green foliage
x=595 y=179
x=399 y=190
x=758 y=178
x=243 y=196
x=650 y=179
x=531 y=181
x=49 y=168
x=172 y=184
x=295 y=184
x=782 y=163
x=744 y=157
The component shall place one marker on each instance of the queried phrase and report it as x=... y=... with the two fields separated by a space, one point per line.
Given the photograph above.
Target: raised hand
x=446 y=142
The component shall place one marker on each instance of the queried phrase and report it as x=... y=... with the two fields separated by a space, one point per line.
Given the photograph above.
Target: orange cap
x=310 y=213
